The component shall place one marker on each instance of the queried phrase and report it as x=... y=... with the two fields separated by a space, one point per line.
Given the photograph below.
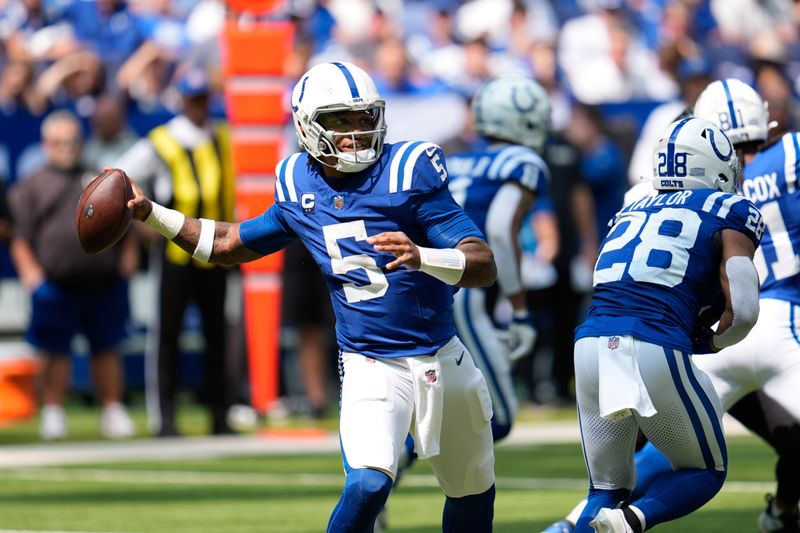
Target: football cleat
x=611 y=521
x=562 y=526
x=771 y=521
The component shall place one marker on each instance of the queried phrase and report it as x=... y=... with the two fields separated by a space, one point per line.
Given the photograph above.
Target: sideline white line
x=183 y=477
x=48 y=531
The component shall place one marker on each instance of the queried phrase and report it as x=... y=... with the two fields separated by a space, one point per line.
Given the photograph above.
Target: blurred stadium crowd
x=608 y=65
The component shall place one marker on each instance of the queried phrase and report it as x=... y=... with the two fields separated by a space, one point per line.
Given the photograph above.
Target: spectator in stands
x=186 y=163
x=75 y=81
x=693 y=75
x=741 y=22
x=776 y=89
x=144 y=78
x=106 y=28
x=603 y=164
x=394 y=75
x=18 y=94
x=71 y=291
x=110 y=135
x=29 y=34
x=605 y=60
x=21 y=110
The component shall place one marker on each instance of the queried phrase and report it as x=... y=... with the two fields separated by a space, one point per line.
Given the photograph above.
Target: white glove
x=523 y=336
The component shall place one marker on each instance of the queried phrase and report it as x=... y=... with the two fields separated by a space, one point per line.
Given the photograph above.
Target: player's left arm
x=470 y=263
x=458 y=254
x=739 y=281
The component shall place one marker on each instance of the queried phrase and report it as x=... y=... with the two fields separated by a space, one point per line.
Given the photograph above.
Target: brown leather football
x=103 y=216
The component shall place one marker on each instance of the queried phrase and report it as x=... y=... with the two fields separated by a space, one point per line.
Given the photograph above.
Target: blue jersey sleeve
x=429 y=171
x=266 y=233
x=745 y=217
x=524 y=166
x=445 y=223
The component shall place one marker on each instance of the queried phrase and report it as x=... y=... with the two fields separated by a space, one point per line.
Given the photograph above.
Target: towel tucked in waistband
x=621 y=387
x=428 y=404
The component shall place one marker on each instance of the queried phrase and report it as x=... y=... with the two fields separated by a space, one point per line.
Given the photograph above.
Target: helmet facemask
x=350 y=145
x=368 y=142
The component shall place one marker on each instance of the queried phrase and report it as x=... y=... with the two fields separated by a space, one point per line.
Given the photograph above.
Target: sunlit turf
x=293 y=494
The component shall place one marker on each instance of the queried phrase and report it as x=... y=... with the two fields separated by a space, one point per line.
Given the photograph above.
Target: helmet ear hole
x=704 y=135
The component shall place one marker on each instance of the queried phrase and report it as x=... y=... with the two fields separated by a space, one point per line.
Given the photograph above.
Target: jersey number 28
x=648 y=227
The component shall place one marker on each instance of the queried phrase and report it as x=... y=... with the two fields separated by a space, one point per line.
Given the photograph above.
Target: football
x=103 y=216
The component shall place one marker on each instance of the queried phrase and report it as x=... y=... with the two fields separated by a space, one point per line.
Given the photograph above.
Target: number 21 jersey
x=770 y=182
x=660 y=263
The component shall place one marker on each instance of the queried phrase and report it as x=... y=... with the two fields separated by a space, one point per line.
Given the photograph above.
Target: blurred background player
x=663 y=259
x=186 y=163
x=71 y=291
x=768 y=359
x=356 y=204
x=496 y=186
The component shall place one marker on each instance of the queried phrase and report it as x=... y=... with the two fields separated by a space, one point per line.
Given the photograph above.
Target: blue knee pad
x=365 y=492
x=470 y=514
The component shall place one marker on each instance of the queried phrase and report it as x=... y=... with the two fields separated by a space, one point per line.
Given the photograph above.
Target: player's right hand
x=702 y=340
x=398 y=244
x=140 y=204
x=523 y=337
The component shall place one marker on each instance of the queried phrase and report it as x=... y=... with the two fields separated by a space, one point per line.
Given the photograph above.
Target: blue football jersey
x=770 y=182
x=476 y=176
x=379 y=312
x=659 y=264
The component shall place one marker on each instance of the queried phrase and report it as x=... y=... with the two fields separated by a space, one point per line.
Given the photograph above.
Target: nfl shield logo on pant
x=430 y=375
x=613 y=343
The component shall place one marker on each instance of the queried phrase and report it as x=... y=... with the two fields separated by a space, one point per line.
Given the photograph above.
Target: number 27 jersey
x=660 y=263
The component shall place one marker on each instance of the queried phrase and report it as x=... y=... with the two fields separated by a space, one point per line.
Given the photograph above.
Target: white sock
x=573 y=515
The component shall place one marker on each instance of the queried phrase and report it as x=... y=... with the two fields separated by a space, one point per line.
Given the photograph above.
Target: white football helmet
x=513 y=108
x=736 y=108
x=695 y=154
x=332 y=88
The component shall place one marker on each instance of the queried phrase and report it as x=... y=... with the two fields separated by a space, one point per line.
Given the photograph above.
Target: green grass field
x=294 y=494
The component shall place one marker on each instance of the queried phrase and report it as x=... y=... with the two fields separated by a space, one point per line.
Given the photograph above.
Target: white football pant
x=686 y=428
x=479 y=335
x=768 y=359
x=380 y=405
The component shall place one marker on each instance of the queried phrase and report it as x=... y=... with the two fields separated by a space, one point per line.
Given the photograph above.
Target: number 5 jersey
x=659 y=264
x=379 y=312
